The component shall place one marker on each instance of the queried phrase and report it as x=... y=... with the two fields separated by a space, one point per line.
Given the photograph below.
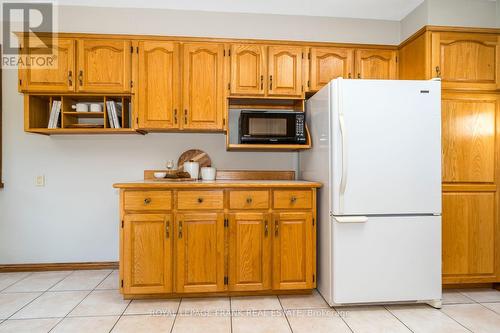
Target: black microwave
x=272 y=127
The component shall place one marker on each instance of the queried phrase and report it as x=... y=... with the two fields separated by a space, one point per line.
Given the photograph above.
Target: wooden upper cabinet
x=469 y=223
x=293 y=266
x=147 y=253
x=104 y=65
x=158 y=85
x=466 y=60
x=468 y=137
x=328 y=63
x=203 y=86
x=285 y=70
x=248 y=69
x=249 y=251
x=57 y=77
x=376 y=64
x=200 y=252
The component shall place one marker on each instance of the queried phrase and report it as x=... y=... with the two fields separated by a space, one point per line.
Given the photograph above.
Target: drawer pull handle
x=180 y=229
x=147 y=201
x=249 y=200
x=266 y=228
x=293 y=199
x=200 y=200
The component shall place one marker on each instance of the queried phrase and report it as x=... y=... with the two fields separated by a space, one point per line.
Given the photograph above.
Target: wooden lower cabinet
x=185 y=248
x=249 y=251
x=147 y=253
x=293 y=250
x=199 y=252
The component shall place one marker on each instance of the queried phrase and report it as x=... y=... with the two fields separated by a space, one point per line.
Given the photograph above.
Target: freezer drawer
x=387 y=259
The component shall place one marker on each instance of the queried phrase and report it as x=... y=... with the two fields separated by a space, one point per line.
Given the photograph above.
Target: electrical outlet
x=40 y=181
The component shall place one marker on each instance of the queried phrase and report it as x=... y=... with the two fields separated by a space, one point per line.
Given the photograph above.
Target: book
x=57 y=114
x=52 y=114
x=111 y=111
x=55 y=111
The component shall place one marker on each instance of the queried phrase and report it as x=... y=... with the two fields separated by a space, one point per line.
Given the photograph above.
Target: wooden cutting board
x=195 y=155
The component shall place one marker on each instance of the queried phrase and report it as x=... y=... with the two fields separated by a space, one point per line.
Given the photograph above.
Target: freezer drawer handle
x=351 y=219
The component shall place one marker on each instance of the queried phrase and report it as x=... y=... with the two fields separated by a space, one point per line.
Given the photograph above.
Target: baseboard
x=467 y=285
x=68 y=266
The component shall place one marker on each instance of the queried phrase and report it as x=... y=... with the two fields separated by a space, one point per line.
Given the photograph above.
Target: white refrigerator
x=377 y=151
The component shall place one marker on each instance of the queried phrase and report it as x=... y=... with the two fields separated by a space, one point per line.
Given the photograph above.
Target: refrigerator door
x=386 y=147
x=387 y=259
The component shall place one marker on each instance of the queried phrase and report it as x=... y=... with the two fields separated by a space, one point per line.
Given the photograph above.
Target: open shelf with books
x=78 y=114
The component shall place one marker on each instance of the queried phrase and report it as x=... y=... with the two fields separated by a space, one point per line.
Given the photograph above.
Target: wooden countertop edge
x=222 y=184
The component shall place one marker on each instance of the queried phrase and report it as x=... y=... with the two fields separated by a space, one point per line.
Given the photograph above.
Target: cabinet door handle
x=266 y=228
x=261 y=82
x=438 y=71
x=185 y=116
x=293 y=199
x=167 y=228
x=349 y=76
x=200 y=200
x=276 y=227
x=249 y=200
x=180 y=229
x=147 y=201
x=270 y=82
x=175 y=116
x=80 y=77
x=359 y=76
x=70 y=78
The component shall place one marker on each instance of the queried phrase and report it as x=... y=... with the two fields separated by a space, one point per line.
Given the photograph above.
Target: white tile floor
x=89 y=301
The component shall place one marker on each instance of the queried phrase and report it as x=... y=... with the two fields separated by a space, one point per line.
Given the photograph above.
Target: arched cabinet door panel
x=104 y=65
x=285 y=71
x=376 y=64
x=248 y=69
x=328 y=63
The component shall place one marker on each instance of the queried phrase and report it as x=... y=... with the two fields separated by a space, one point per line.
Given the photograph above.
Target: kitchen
x=77 y=171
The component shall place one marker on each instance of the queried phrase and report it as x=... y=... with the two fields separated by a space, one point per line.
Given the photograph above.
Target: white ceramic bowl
x=159 y=175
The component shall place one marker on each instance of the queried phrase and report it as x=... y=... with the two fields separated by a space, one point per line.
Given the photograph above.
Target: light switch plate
x=40 y=181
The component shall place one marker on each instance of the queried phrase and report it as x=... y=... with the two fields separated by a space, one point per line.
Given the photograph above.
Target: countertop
x=216 y=184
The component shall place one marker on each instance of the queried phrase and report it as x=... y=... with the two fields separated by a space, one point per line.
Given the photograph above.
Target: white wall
x=74 y=218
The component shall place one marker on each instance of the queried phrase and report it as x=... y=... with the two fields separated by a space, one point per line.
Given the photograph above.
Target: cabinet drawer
x=147 y=200
x=298 y=199
x=249 y=199
x=200 y=200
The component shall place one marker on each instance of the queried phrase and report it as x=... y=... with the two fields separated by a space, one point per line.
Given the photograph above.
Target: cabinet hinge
x=131 y=84
x=224 y=53
x=314 y=277
x=226 y=223
x=313 y=221
x=309 y=56
x=226 y=280
x=137 y=49
x=229 y=52
x=229 y=86
x=122 y=283
x=308 y=84
x=396 y=58
x=131 y=49
x=137 y=120
x=224 y=122
x=122 y=223
x=20 y=82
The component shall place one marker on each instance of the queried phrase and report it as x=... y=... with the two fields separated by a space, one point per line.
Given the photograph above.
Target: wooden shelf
x=268 y=147
x=65 y=131
x=84 y=114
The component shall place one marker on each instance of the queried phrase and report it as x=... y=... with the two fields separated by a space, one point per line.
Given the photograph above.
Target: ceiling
x=367 y=9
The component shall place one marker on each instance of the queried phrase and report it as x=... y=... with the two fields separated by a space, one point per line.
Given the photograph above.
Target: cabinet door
x=200 y=252
x=249 y=252
x=376 y=64
x=293 y=251
x=203 y=88
x=469 y=224
x=248 y=69
x=328 y=63
x=147 y=254
x=466 y=60
x=56 y=76
x=285 y=70
x=159 y=85
x=468 y=137
x=104 y=65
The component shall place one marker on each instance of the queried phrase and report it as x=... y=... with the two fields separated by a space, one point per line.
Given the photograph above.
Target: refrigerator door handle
x=351 y=219
x=343 y=180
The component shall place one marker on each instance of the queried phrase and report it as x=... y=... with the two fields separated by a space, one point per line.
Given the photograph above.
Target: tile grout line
x=66 y=316
x=231 y=313
x=455 y=320
x=176 y=314
x=342 y=318
x=120 y=316
x=42 y=293
x=284 y=313
x=13 y=283
x=392 y=314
